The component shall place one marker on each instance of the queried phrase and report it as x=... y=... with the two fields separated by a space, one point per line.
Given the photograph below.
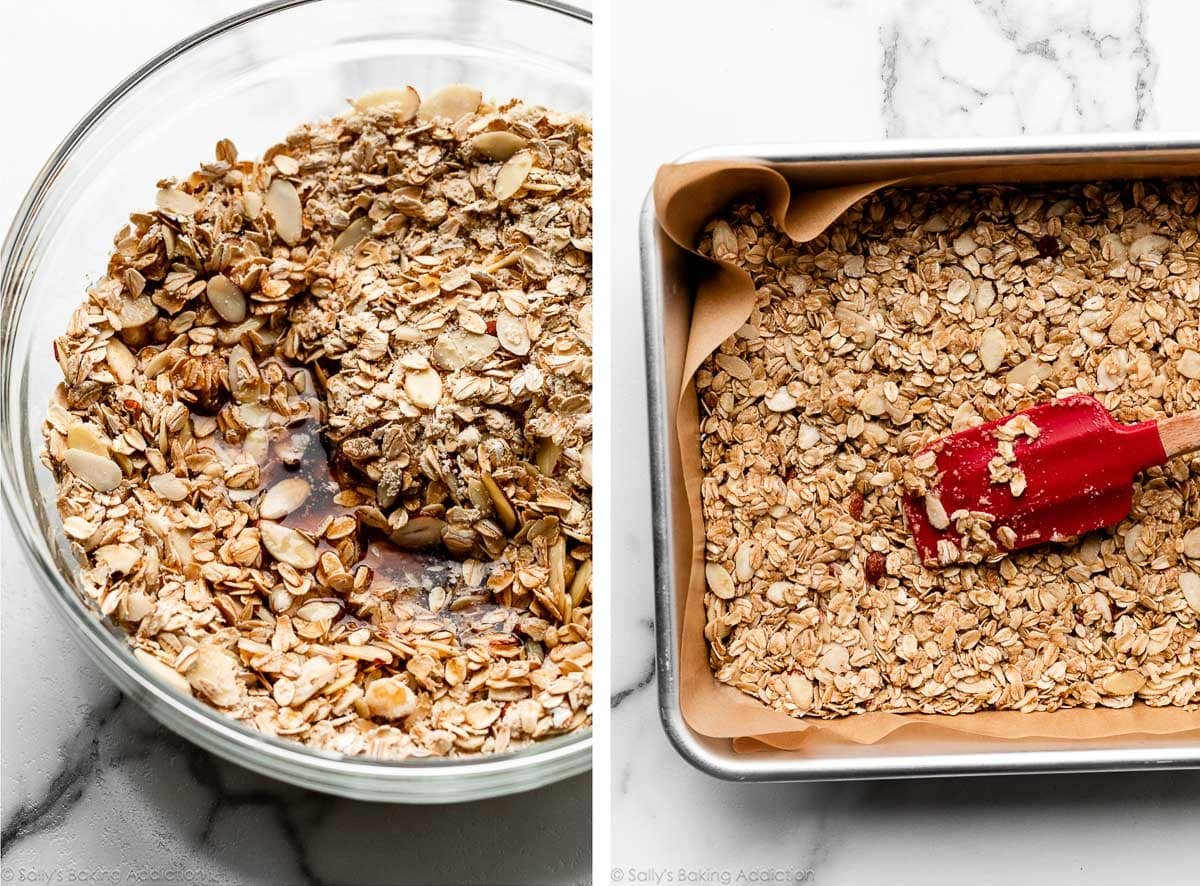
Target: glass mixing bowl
x=251 y=78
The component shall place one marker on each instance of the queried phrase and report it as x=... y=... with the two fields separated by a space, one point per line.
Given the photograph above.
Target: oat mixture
x=920 y=313
x=324 y=441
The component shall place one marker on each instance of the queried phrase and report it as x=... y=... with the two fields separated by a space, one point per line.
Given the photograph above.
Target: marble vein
x=81 y=755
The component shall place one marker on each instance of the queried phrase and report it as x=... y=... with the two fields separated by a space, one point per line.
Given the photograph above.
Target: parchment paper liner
x=804 y=199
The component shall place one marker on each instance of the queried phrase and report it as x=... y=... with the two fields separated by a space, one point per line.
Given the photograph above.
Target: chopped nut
x=389 y=698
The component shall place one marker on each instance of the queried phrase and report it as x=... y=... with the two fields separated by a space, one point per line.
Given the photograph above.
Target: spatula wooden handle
x=1180 y=434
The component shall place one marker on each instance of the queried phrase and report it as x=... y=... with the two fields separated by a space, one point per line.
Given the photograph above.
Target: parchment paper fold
x=804 y=199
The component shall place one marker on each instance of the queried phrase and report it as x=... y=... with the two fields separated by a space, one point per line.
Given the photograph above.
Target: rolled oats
x=916 y=314
x=323 y=442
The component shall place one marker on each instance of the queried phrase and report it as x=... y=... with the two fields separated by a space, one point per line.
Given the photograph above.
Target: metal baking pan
x=666 y=294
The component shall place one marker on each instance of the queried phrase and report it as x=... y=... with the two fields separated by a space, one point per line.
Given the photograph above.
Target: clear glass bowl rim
x=421 y=780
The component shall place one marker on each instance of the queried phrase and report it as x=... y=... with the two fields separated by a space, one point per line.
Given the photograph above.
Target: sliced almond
x=137 y=312
x=993 y=347
x=458 y=349
x=252 y=204
x=169 y=486
x=424 y=387
x=581 y=583
x=286 y=164
x=176 y=202
x=547 y=456
x=79 y=528
x=287 y=545
x=401 y=103
x=86 y=436
x=720 y=582
x=585 y=463
x=119 y=558
x=1122 y=682
x=283 y=202
x=482 y=714
x=451 y=103
x=226 y=298
x=213 y=673
x=319 y=610
x=353 y=234
x=512 y=333
x=504 y=509
x=512 y=175
x=283 y=498
x=936 y=512
x=499 y=145
x=800 y=688
x=1027 y=373
x=1189 y=583
x=102 y=474
x=807 y=437
x=418 y=533
x=120 y=360
x=163 y=672
x=1191 y=543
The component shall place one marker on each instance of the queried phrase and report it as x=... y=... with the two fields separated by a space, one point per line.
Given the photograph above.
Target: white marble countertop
x=759 y=71
x=93 y=789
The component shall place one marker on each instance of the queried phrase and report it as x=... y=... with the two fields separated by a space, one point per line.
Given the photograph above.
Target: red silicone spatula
x=1077 y=463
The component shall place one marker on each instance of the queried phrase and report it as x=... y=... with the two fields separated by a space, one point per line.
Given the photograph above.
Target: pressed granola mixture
x=919 y=313
x=324 y=441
